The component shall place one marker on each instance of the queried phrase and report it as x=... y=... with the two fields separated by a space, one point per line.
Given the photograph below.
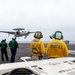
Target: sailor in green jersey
x=13 y=47
x=4 y=50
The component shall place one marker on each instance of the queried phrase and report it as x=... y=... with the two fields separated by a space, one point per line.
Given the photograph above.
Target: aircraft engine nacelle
x=17 y=34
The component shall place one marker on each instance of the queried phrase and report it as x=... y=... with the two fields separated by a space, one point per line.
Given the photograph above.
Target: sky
x=46 y=16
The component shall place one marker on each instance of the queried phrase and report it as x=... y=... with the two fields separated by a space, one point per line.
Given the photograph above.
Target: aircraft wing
x=9 y=32
x=28 y=33
x=31 y=32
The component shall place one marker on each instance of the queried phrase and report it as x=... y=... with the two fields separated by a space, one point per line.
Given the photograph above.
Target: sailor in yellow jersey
x=57 y=48
x=37 y=46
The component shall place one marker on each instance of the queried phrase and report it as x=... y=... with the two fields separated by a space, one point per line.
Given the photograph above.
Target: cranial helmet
x=38 y=35
x=13 y=38
x=58 y=35
x=4 y=39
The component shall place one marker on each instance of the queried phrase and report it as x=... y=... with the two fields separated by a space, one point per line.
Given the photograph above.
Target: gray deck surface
x=24 y=50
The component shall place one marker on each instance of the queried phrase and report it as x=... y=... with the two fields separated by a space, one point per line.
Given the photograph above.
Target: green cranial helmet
x=38 y=35
x=58 y=35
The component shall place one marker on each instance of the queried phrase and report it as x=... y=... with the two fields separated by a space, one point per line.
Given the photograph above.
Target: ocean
x=70 y=42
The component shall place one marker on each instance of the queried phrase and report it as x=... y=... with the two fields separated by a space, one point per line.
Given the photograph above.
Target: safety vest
x=12 y=44
x=3 y=45
x=36 y=48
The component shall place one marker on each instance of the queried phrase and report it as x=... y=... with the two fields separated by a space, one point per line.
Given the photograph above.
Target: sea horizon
x=70 y=42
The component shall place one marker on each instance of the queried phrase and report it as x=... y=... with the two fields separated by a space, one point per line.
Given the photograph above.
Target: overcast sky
x=46 y=16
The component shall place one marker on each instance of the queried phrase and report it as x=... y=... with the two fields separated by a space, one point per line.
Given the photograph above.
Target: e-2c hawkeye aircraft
x=18 y=32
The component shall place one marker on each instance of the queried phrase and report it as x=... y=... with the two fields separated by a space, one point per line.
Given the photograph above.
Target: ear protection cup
x=41 y=36
x=55 y=34
x=38 y=35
